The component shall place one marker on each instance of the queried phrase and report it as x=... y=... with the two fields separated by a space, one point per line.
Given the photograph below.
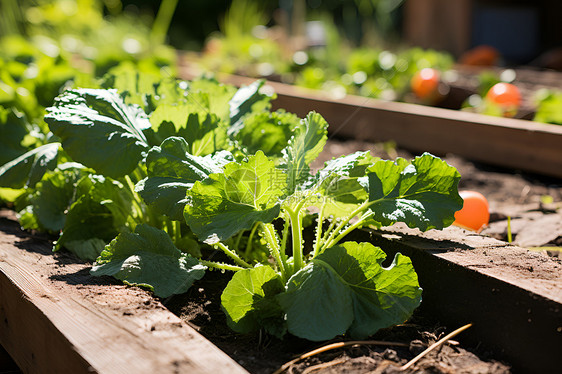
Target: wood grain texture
x=517 y=144
x=55 y=319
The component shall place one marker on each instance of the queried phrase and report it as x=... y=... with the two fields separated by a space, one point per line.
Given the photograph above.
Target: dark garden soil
x=526 y=198
x=533 y=202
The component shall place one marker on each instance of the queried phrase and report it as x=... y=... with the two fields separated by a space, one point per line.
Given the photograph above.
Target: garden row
x=506 y=142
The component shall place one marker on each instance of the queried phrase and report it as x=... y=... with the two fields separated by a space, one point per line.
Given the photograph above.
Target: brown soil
x=510 y=193
x=262 y=354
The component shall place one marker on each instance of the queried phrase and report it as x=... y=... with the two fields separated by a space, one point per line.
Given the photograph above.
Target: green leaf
x=29 y=168
x=47 y=205
x=266 y=131
x=246 y=100
x=346 y=289
x=318 y=305
x=249 y=301
x=101 y=210
x=148 y=258
x=303 y=148
x=219 y=96
x=99 y=130
x=13 y=129
x=223 y=204
x=549 y=104
x=142 y=88
x=172 y=170
x=202 y=130
x=422 y=194
x=342 y=183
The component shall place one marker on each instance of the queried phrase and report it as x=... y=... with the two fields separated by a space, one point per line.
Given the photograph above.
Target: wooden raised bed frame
x=54 y=317
x=50 y=322
x=513 y=143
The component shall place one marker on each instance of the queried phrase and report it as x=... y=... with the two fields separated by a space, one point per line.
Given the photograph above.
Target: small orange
x=475 y=213
x=506 y=96
x=425 y=83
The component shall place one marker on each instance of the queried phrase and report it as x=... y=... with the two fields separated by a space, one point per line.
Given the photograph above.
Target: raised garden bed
x=94 y=319
x=506 y=142
x=57 y=317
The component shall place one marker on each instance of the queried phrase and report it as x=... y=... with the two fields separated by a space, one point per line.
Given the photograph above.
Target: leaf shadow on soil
x=83 y=278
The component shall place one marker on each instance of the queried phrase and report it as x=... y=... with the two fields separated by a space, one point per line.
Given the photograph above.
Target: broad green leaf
x=29 y=168
x=219 y=96
x=223 y=204
x=422 y=194
x=549 y=104
x=172 y=170
x=342 y=184
x=303 y=148
x=346 y=289
x=13 y=129
x=382 y=297
x=317 y=304
x=267 y=131
x=148 y=258
x=100 y=212
x=47 y=205
x=249 y=301
x=99 y=130
x=245 y=101
x=143 y=88
x=203 y=131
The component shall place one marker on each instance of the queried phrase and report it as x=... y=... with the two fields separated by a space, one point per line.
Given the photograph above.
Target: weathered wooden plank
x=512 y=296
x=513 y=143
x=517 y=144
x=55 y=319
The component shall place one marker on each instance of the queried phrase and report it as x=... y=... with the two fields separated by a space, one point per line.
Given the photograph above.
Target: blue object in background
x=513 y=31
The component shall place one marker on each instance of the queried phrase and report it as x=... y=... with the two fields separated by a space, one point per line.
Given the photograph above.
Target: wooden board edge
x=50 y=326
x=518 y=144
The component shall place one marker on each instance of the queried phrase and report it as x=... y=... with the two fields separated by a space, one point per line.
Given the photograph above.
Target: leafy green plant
x=148 y=178
x=549 y=106
x=333 y=289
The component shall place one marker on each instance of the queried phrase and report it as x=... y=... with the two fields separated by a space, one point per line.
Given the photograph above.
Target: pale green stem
x=343 y=223
x=296 y=232
x=237 y=241
x=329 y=230
x=221 y=266
x=251 y=240
x=137 y=203
x=319 y=230
x=177 y=231
x=270 y=236
x=232 y=255
x=284 y=238
x=349 y=229
x=162 y=22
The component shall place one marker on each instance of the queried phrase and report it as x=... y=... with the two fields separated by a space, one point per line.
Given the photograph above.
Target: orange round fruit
x=475 y=213
x=425 y=83
x=506 y=96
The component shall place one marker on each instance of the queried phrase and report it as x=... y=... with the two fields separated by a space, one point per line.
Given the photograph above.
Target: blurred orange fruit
x=425 y=83
x=506 y=96
x=482 y=55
